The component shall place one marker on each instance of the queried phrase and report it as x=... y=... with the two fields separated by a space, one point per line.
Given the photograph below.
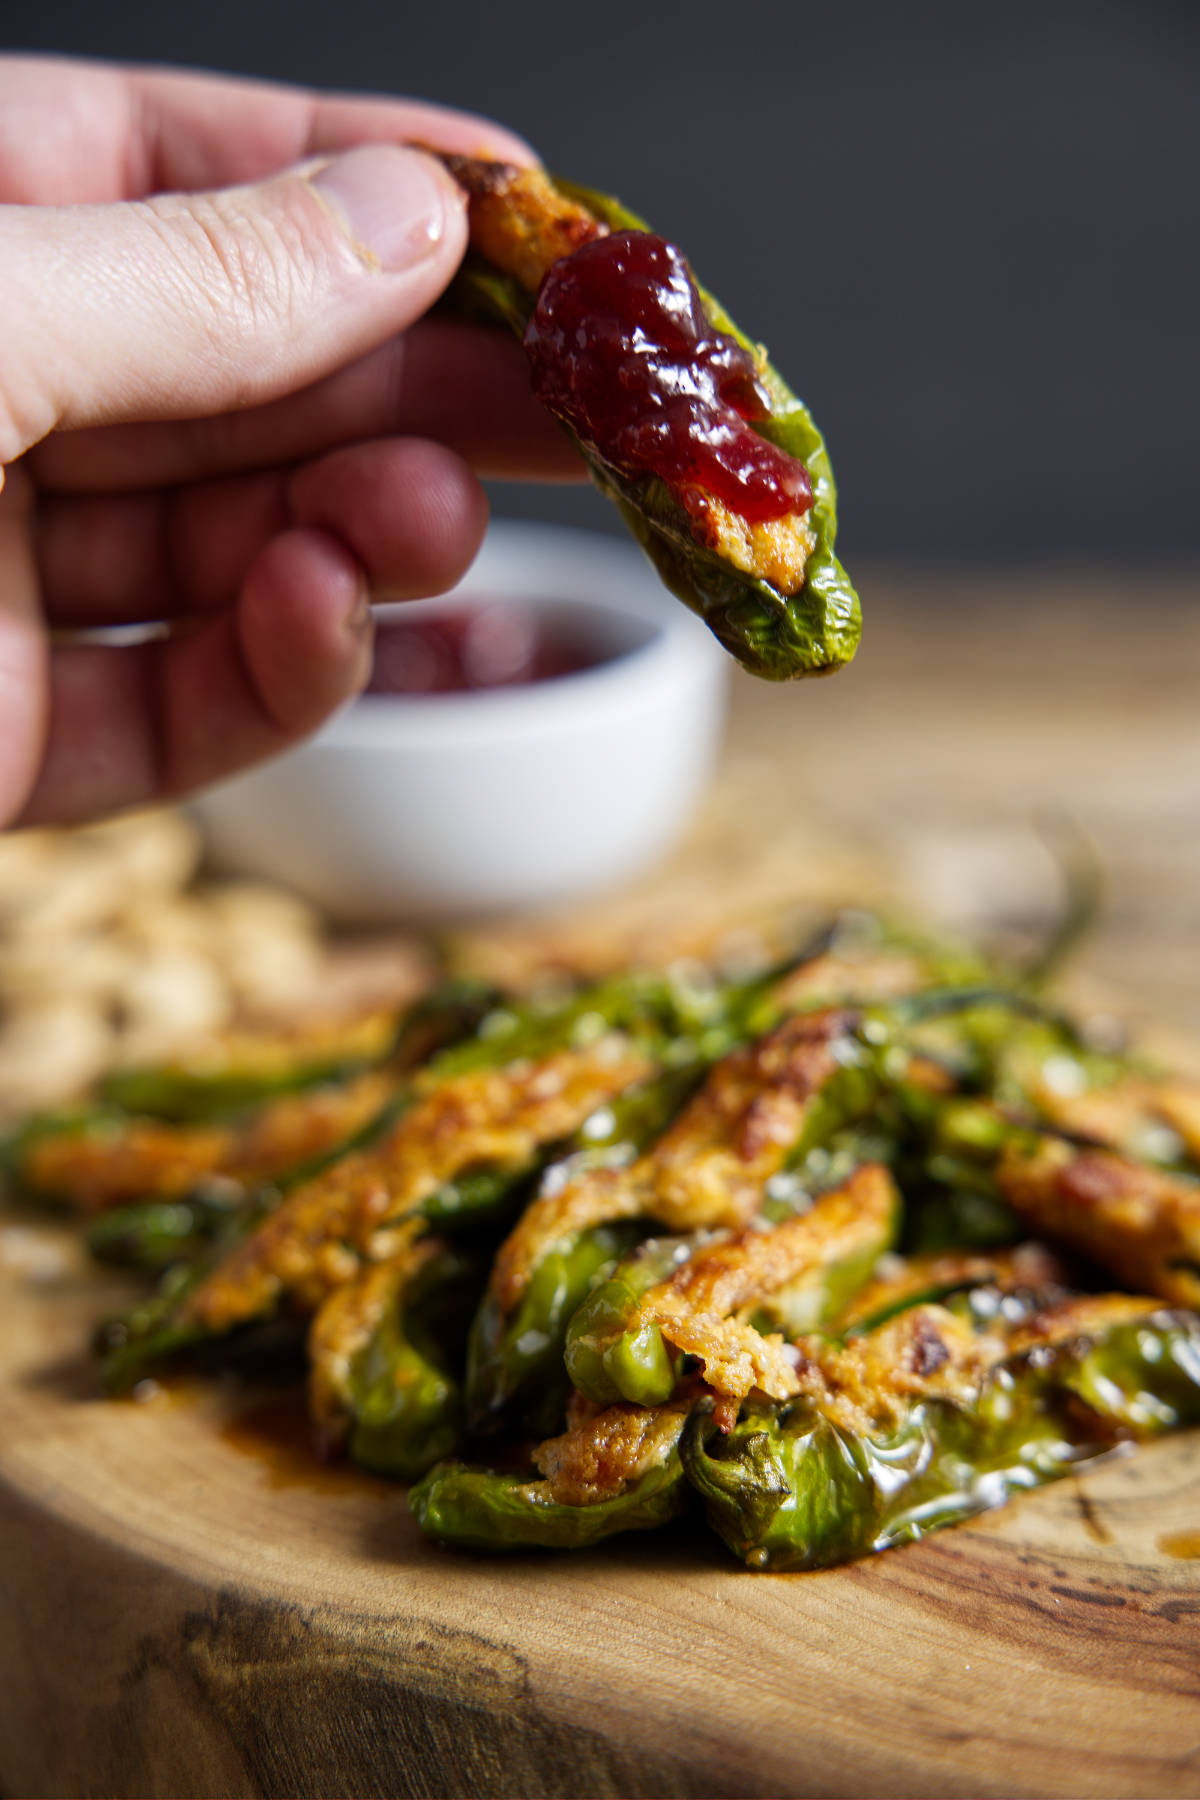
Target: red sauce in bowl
x=477 y=647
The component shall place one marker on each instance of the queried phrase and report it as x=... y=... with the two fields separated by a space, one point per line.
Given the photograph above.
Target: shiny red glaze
x=622 y=352
x=486 y=646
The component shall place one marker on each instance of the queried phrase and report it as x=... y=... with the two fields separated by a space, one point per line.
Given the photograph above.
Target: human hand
x=218 y=412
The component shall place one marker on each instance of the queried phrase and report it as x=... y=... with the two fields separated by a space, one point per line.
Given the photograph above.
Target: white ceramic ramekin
x=441 y=806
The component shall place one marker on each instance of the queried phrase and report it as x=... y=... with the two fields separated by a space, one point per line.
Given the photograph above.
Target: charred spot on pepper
x=927 y=1350
x=1090 y=1180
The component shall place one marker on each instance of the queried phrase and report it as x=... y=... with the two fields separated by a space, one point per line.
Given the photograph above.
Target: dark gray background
x=968 y=233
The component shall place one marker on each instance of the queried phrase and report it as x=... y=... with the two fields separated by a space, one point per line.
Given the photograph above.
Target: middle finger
x=411 y=513
x=465 y=386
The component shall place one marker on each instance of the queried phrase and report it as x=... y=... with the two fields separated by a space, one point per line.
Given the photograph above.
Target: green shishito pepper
x=153 y=1234
x=192 y=1096
x=515 y=1369
x=608 y=1359
x=402 y=1397
x=775 y=635
x=187 y=1098
x=613 y=1352
x=478 y=1509
x=791 y=1488
x=183 y=1096
x=82 y=1120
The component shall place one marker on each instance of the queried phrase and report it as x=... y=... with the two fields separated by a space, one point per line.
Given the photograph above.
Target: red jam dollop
x=622 y=352
x=466 y=649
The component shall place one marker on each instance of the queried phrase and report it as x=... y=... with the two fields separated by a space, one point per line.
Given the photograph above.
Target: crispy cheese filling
x=329 y=1227
x=709 y=1167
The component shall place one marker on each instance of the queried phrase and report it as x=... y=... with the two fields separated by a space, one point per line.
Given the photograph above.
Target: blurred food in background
x=113 y=953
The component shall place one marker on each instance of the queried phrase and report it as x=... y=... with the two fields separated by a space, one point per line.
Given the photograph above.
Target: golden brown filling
x=1141 y=1222
x=603 y=1450
x=113 y=1163
x=709 y=1167
x=348 y=1215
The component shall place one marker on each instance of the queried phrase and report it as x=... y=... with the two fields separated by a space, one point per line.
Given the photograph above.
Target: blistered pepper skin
x=157 y=1234
x=477 y=1509
x=515 y=1368
x=404 y=1402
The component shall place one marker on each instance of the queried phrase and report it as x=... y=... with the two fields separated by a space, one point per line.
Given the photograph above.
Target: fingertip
x=24 y=653
x=398 y=206
x=305 y=628
x=410 y=510
x=343 y=119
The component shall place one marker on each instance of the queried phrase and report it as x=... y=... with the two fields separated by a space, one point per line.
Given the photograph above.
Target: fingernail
x=392 y=203
x=359 y=620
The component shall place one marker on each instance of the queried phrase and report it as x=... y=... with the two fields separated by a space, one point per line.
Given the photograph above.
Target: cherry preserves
x=622 y=352
x=488 y=646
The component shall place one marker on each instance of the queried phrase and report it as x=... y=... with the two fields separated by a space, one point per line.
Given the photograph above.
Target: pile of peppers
x=836 y=1255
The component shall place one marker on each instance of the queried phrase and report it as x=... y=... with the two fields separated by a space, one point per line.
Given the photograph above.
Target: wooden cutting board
x=188 y=1606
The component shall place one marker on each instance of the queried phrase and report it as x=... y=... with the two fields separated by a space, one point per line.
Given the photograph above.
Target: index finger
x=123 y=133
x=194 y=123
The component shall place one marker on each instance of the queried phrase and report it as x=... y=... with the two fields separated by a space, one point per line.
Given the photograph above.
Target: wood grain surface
x=188 y=1606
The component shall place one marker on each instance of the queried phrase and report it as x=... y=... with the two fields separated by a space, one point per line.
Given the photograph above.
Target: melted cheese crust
x=347 y=1321
x=931 y=1353
x=771 y=550
x=701 y=1308
x=1141 y=1222
x=709 y=1167
x=518 y=219
x=111 y=1164
x=603 y=1451
x=328 y=1227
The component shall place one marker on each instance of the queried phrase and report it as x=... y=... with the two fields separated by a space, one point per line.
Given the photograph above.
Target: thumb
x=186 y=304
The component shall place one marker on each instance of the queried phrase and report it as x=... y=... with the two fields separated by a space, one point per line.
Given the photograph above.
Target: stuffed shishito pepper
x=947 y=1395
x=717 y=467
